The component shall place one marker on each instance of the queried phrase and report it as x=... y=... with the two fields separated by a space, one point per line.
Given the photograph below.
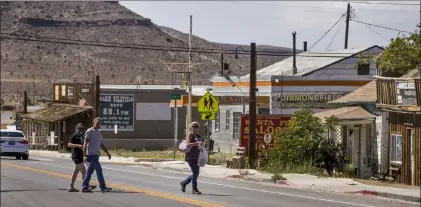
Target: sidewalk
x=303 y=181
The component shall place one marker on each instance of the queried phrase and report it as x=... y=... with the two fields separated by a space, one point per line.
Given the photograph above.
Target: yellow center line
x=119 y=186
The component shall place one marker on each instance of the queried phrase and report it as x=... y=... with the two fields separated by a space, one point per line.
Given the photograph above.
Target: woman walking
x=77 y=156
x=194 y=143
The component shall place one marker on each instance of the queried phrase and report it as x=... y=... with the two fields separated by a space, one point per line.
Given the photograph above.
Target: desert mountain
x=86 y=27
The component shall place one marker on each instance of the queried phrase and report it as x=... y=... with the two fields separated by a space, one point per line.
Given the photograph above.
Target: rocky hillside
x=91 y=27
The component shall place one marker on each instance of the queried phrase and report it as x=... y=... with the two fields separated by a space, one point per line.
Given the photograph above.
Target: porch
x=51 y=128
x=356 y=131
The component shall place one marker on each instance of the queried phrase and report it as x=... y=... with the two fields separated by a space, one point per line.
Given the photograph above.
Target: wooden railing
x=387 y=92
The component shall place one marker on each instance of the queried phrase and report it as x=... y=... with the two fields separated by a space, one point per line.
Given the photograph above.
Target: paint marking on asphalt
x=244 y=188
x=123 y=187
x=232 y=186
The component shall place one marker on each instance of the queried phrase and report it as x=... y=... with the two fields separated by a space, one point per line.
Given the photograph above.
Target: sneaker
x=197 y=192
x=183 y=187
x=91 y=187
x=106 y=190
x=86 y=190
x=72 y=189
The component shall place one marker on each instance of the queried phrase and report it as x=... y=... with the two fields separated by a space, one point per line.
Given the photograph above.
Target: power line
x=157 y=47
x=340 y=18
x=372 y=29
x=174 y=50
x=313 y=7
x=374 y=25
x=336 y=33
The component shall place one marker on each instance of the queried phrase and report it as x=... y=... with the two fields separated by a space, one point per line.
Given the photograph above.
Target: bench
x=237 y=162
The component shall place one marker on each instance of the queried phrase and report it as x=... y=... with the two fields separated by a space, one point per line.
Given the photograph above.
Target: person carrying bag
x=195 y=153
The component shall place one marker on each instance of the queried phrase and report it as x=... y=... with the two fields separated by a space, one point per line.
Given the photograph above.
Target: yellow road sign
x=208 y=104
x=209 y=116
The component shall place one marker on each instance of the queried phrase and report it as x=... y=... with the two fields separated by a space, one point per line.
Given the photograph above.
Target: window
x=12 y=134
x=396 y=148
x=57 y=92
x=364 y=69
x=236 y=125
x=217 y=124
x=227 y=120
x=264 y=111
x=63 y=90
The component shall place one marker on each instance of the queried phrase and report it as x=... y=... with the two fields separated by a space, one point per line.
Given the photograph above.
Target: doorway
x=411 y=139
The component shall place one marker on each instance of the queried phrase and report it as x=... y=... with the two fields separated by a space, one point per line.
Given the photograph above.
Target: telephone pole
x=252 y=106
x=348 y=16
x=189 y=112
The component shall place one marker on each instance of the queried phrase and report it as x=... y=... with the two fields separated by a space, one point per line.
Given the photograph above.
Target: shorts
x=77 y=161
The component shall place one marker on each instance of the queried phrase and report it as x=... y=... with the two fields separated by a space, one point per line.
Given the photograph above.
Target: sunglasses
x=81 y=129
x=196 y=127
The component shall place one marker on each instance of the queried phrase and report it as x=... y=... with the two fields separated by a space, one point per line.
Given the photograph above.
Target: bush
x=303 y=145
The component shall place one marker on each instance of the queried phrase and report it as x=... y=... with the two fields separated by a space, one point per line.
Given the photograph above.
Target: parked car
x=14 y=144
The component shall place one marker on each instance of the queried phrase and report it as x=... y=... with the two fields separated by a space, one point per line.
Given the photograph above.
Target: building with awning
x=52 y=126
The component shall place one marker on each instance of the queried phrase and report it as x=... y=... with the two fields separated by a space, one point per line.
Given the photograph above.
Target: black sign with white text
x=117 y=110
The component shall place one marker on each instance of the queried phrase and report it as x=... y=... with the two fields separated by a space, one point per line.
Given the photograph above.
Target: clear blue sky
x=272 y=22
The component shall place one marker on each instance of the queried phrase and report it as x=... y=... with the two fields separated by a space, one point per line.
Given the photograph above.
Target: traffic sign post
x=175 y=96
x=208 y=104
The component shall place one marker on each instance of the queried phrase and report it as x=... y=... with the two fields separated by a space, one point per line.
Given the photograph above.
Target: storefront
x=317 y=80
x=401 y=98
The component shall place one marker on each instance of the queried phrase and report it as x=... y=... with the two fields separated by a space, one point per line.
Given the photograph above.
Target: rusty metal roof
x=56 y=112
x=346 y=113
x=364 y=94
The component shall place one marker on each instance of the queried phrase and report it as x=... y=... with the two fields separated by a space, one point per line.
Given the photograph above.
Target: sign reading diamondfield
x=303 y=100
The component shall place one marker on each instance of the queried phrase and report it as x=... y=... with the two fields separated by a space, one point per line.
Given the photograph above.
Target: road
x=43 y=182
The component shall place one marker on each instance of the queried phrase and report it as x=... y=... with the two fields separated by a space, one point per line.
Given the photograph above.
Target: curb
x=284 y=182
x=387 y=195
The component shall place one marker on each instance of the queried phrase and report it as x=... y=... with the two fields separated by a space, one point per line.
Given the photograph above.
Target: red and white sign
x=266 y=126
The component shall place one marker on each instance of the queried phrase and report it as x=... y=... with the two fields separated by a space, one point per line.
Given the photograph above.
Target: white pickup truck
x=14 y=144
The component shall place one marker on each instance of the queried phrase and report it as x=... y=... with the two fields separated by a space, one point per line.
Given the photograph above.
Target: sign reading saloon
x=266 y=126
x=117 y=110
x=303 y=100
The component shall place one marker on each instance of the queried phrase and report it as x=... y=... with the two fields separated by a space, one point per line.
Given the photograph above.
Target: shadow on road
x=209 y=194
x=12 y=158
x=12 y=191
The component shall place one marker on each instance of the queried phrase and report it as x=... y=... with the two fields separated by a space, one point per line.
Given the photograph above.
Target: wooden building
x=50 y=128
x=401 y=98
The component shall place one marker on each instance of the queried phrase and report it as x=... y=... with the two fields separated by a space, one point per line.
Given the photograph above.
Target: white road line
x=244 y=188
x=230 y=186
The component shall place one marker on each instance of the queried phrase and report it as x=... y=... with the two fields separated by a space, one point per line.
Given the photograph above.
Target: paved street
x=43 y=182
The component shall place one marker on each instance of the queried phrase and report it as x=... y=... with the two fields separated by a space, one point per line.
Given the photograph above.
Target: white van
x=14 y=144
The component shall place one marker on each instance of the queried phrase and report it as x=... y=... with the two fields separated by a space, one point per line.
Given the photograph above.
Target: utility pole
x=189 y=112
x=252 y=106
x=25 y=103
x=222 y=64
x=294 y=54
x=348 y=16
x=97 y=95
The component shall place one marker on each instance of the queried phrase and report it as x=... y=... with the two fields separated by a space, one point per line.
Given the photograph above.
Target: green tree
x=402 y=54
x=305 y=140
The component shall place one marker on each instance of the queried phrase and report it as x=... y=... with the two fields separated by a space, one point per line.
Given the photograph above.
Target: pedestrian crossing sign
x=208 y=104
x=208 y=116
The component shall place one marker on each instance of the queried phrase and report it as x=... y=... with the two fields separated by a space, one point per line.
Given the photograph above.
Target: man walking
x=91 y=150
